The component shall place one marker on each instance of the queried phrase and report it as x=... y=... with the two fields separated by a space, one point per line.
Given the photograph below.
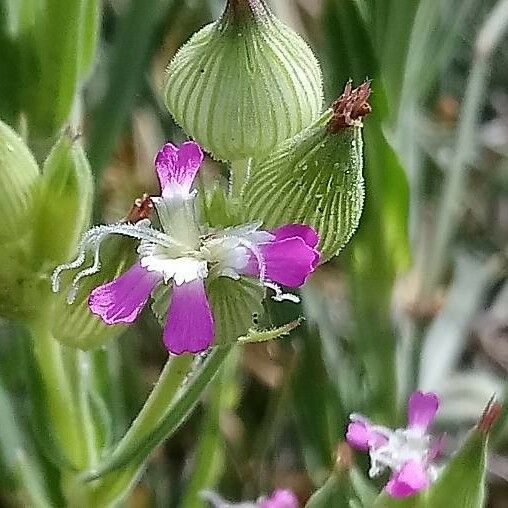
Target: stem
x=88 y=425
x=156 y=422
x=240 y=172
x=156 y=405
x=60 y=400
x=488 y=39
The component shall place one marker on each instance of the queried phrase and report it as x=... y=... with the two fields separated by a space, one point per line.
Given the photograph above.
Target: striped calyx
x=315 y=178
x=18 y=173
x=244 y=84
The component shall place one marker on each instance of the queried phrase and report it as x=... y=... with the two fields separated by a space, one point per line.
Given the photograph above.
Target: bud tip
x=141 y=209
x=344 y=457
x=490 y=415
x=350 y=107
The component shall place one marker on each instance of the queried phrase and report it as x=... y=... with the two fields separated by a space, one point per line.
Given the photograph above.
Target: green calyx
x=18 y=176
x=242 y=85
x=63 y=198
x=316 y=177
x=18 y=173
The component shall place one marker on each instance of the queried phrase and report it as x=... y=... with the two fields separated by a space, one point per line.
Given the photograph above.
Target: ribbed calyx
x=242 y=85
x=315 y=178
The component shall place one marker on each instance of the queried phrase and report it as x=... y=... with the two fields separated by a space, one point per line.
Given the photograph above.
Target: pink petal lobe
x=281 y=498
x=178 y=165
x=189 y=326
x=409 y=480
x=306 y=233
x=121 y=300
x=287 y=262
x=360 y=436
x=422 y=408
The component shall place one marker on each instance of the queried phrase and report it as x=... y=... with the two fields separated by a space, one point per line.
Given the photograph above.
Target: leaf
x=58 y=35
x=266 y=335
x=314 y=178
x=462 y=482
x=129 y=453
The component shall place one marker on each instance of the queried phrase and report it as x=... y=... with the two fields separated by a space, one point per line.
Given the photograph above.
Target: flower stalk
x=163 y=413
x=63 y=412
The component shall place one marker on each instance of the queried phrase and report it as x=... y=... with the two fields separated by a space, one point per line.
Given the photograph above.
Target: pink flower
x=184 y=254
x=280 y=498
x=408 y=453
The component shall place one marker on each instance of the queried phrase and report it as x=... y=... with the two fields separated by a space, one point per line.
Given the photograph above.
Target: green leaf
x=135 y=452
x=335 y=492
x=314 y=178
x=266 y=335
x=462 y=482
x=89 y=34
x=57 y=32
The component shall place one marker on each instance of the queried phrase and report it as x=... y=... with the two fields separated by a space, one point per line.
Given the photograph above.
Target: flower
x=185 y=254
x=407 y=452
x=280 y=498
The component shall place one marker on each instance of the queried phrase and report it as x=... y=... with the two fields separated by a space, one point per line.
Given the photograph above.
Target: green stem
x=240 y=172
x=61 y=404
x=489 y=37
x=85 y=410
x=158 y=420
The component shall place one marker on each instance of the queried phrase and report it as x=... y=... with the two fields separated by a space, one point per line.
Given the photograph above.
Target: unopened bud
x=63 y=201
x=315 y=178
x=243 y=84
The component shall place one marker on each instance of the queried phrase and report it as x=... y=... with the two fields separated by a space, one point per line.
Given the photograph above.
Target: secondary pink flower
x=280 y=498
x=184 y=254
x=408 y=453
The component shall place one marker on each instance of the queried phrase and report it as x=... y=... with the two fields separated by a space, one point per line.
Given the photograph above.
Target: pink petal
x=360 y=436
x=121 y=300
x=189 y=326
x=422 y=408
x=306 y=233
x=287 y=262
x=178 y=165
x=281 y=498
x=409 y=480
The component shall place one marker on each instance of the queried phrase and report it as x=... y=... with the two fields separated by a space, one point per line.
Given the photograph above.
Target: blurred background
x=419 y=297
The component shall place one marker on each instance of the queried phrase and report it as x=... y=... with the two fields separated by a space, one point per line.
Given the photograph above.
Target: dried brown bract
x=350 y=107
x=141 y=209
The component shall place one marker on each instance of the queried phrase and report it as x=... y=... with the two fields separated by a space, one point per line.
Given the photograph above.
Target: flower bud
x=18 y=172
x=63 y=201
x=75 y=325
x=243 y=84
x=18 y=175
x=316 y=177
